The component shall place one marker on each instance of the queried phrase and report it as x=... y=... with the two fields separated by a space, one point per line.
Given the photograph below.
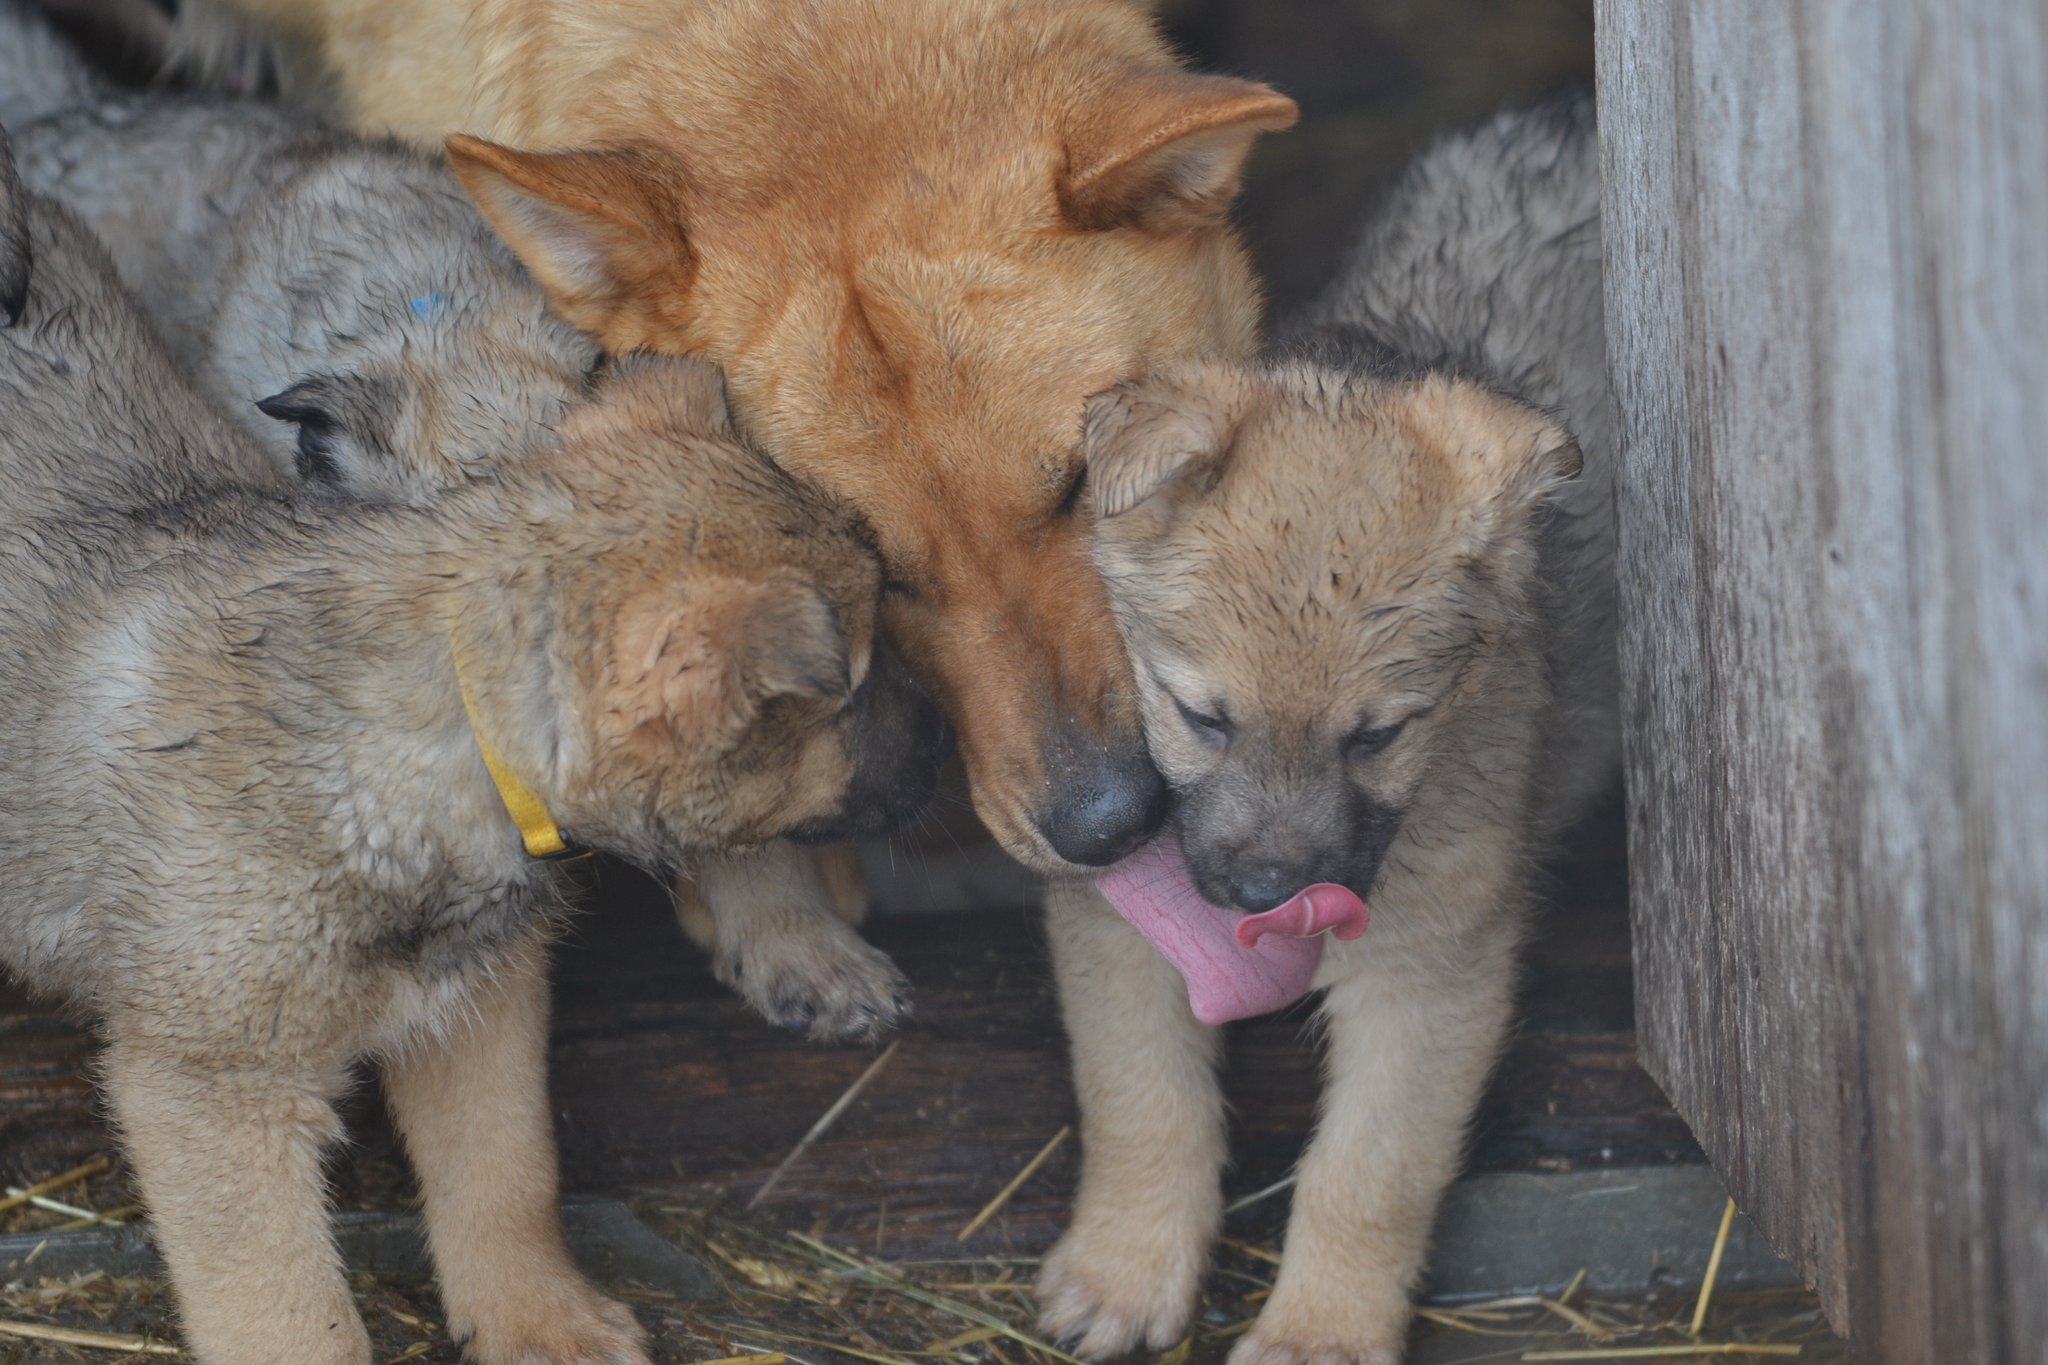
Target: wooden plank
x=1828 y=320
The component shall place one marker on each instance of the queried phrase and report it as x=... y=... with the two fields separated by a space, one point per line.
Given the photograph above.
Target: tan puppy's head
x=918 y=234
x=704 y=669
x=1324 y=580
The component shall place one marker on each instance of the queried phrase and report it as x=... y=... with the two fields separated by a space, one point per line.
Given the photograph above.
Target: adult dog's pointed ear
x=707 y=665
x=603 y=231
x=1165 y=151
x=14 y=244
x=1153 y=444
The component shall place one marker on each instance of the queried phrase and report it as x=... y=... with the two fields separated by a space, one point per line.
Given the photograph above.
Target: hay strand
x=1699 y=1313
x=98 y=1341
x=1266 y=1193
x=56 y=1182
x=824 y=1124
x=762 y=1358
x=883 y=1278
x=1724 y=1348
x=995 y=1205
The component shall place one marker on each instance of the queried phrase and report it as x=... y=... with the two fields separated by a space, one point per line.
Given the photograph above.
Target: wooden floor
x=665 y=1084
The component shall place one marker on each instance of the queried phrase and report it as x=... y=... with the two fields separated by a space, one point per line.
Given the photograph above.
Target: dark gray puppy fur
x=341 y=298
x=1485 y=262
x=93 y=411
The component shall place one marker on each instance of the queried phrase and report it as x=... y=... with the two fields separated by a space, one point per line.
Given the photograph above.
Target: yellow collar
x=542 y=835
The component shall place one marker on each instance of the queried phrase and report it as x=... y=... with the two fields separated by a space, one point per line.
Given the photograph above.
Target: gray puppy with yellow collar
x=346 y=305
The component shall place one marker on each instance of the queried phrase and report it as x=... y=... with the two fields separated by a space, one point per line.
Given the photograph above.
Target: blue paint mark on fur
x=431 y=306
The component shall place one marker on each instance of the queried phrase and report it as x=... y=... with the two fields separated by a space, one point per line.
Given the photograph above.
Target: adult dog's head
x=917 y=235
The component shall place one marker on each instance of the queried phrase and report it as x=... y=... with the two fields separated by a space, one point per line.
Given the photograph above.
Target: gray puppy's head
x=14 y=245
x=1322 y=579
x=387 y=343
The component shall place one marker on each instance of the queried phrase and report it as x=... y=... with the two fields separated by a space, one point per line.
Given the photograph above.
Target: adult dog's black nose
x=1104 y=810
x=1265 y=886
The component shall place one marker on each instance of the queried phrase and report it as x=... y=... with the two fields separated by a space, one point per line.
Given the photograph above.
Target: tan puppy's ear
x=688 y=393
x=1161 y=436
x=603 y=232
x=1165 y=151
x=1507 y=455
x=706 y=666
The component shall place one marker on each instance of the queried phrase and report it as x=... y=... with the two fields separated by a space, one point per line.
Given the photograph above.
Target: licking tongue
x=1236 y=965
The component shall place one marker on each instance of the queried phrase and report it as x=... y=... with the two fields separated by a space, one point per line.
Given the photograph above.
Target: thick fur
x=248 y=824
x=344 y=300
x=917 y=234
x=341 y=298
x=1373 y=631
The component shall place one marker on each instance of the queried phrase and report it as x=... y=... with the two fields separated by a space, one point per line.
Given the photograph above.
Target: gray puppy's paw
x=823 y=980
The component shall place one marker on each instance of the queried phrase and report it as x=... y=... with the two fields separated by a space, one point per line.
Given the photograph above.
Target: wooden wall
x=1827 y=281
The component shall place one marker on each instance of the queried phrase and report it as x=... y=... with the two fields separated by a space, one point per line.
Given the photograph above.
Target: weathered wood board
x=1827 y=280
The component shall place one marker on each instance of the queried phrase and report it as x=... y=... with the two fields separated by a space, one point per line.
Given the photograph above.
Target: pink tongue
x=1235 y=965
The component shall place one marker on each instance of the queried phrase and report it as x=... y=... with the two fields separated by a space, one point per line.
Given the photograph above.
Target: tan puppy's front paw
x=574 y=1327
x=1105 y=1290
x=1358 y=1327
x=829 y=982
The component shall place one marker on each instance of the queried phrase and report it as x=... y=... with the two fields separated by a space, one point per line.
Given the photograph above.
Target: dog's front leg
x=229 y=1160
x=473 y=1108
x=1412 y=1036
x=777 y=923
x=1130 y=1265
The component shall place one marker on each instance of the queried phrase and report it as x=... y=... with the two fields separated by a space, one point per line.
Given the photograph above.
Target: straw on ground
x=995 y=1205
x=1699 y=1314
x=55 y=1182
x=98 y=1341
x=819 y=1129
x=1724 y=1348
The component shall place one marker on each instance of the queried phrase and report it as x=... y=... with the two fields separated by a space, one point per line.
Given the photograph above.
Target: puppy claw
x=584 y=1329
x=823 y=985
x=1102 y=1296
x=1257 y=1348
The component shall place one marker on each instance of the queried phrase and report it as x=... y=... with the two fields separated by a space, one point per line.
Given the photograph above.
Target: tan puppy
x=1374 y=636
x=1328 y=585
x=916 y=234
x=250 y=812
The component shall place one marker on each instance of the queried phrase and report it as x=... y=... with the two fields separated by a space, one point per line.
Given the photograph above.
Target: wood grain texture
x=1827 y=280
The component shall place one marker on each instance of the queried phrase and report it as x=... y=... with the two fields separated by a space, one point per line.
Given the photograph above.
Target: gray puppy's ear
x=14 y=244
x=1142 y=439
x=344 y=424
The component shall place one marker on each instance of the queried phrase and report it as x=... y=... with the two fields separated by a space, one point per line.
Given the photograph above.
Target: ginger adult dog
x=252 y=807
x=916 y=234
x=1371 y=610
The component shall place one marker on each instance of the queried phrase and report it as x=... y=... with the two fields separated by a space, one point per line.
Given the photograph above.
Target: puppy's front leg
x=780 y=935
x=1152 y=1149
x=229 y=1158
x=1412 y=1036
x=473 y=1108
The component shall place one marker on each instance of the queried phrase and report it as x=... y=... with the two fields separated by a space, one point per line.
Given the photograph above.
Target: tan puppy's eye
x=1369 y=740
x=1214 y=731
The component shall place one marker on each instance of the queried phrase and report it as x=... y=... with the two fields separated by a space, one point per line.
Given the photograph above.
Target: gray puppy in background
x=346 y=304
x=341 y=298
x=108 y=388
